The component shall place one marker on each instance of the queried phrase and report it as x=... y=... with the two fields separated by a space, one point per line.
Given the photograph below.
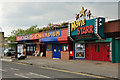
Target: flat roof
x=114 y=20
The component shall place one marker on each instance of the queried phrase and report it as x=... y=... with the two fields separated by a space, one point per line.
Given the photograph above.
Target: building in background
x=112 y=30
x=1 y=41
x=6 y=43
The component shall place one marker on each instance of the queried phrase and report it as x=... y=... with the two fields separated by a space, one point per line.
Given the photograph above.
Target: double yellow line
x=83 y=74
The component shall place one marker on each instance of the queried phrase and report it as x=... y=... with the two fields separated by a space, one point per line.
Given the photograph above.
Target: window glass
x=58 y=48
x=54 y=47
x=11 y=50
x=27 y=48
x=65 y=47
x=49 y=47
x=34 y=48
x=20 y=48
x=31 y=48
x=79 y=50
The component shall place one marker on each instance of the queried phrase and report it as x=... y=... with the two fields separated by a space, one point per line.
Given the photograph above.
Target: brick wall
x=65 y=55
x=49 y=54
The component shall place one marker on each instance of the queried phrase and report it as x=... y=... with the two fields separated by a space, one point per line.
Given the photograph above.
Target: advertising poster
x=79 y=50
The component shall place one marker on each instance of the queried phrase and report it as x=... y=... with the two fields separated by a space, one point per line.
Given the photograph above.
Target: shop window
x=64 y=47
x=49 y=47
x=79 y=50
x=20 y=48
x=27 y=48
x=31 y=48
x=34 y=48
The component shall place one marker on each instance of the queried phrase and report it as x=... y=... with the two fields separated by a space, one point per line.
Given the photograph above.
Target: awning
x=54 y=39
x=49 y=39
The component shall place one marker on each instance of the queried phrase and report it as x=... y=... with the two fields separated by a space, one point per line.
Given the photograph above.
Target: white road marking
x=2 y=70
x=39 y=75
x=21 y=75
x=9 y=60
x=14 y=69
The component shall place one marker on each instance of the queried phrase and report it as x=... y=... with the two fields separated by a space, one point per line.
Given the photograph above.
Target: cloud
x=60 y=0
x=25 y=14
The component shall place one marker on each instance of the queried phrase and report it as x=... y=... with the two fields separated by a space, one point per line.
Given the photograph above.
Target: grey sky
x=25 y=14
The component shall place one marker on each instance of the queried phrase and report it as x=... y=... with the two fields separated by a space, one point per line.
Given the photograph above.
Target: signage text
x=52 y=34
x=85 y=30
x=75 y=24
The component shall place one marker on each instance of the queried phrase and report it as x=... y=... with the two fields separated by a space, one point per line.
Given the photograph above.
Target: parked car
x=9 y=52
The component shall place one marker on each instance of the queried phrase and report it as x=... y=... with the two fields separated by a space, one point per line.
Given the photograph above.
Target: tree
x=33 y=29
x=20 y=32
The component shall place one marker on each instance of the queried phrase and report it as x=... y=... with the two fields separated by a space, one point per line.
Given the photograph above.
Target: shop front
x=30 y=49
x=57 y=44
x=30 y=44
x=52 y=44
x=90 y=42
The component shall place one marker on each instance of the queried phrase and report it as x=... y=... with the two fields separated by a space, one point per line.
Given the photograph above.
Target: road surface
x=17 y=71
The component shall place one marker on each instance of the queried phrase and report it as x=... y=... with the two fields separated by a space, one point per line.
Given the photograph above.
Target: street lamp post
x=1 y=42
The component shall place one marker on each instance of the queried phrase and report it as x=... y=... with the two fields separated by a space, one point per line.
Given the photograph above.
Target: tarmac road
x=17 y=71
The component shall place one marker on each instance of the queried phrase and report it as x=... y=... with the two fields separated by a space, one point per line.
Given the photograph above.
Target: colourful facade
x=92 y=39
x=52 y=44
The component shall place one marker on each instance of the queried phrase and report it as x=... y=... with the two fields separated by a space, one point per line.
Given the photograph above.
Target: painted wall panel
x=117 y=51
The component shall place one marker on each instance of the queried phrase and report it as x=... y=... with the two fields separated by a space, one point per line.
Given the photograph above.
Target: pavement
x=101 y=68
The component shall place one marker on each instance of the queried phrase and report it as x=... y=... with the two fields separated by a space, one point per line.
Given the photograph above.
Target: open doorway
x=43 y=49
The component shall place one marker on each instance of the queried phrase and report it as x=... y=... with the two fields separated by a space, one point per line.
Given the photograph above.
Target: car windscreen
x=11 y=50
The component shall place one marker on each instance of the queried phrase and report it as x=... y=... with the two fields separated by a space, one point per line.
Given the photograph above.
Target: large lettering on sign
x=53 y=34
x=85 y=30
x=30 y=36
x=75 y=24
x=26 y=37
